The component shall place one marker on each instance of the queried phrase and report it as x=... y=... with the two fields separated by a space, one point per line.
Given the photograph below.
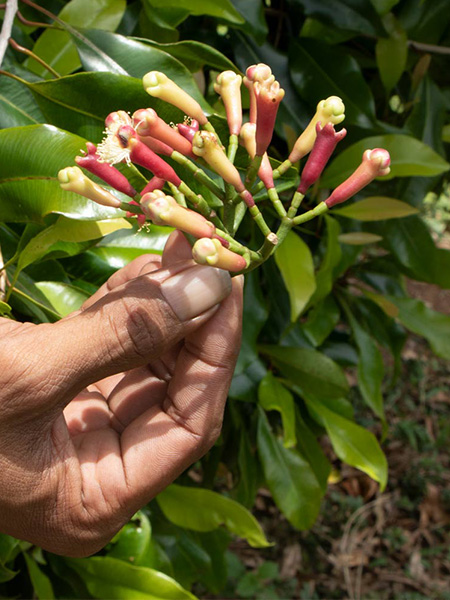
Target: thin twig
x=34 y=56
x=5 y=34
x=429 y=47
x=29 y=23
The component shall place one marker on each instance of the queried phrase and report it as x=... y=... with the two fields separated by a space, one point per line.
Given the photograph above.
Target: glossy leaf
x=409 y=158
x=67 y=230
x=63 y=298
x=133 y=540
x=352 y=15
x=55 y=47
x=312 y=371
x=17 y=105
x=377 y=208
x=137 y=58
x=353 y=444
x=391 y=53
x=272 y=395
x=325 y=275
x=41 y=583
x=359 y=238
x=295 y=262
x=107 y=577
x=289 y=477
x=204 y=510
x=319 y=71
x=30 y=158
x=194 y=55
x=432 y=325
x=223 y=9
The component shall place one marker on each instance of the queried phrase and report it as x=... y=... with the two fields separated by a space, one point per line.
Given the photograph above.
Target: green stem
x=278 y=172
x=199 y=174
x=179 y=197
x=259 y=220
x=273 y=197
x=200 y=204
x=318 y=210
x=132 y=208
x=295 y=203
x=232 y=147
x=12 y=284
x=235 y=246
x=252 y=171
x=9 y=262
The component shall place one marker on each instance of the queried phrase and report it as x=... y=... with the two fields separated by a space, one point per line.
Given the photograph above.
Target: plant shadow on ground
x=367 y=545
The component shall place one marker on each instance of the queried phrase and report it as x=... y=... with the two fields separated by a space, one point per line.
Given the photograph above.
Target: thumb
x=126 y=328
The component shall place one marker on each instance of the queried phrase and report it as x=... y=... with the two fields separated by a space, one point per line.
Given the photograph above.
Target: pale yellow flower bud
x=228 y=86
x=330 y=110
x=72 y=179
x=158 y=85
x=206 y=145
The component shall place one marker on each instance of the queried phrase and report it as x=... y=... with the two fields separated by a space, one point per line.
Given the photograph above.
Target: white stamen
x=110 y=150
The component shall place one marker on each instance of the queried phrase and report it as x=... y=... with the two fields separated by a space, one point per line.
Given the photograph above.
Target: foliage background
x=334 y=298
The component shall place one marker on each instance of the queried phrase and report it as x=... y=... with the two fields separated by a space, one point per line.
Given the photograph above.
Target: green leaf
x=30 y=158
x=312 y=371
x=295 y=262
x=8 y=548
x=5 y=309
x=353 y=444
x=384 y=6
x=272 y=395
x=55 y=47
x=41 y=583
x=6 y=574
x=409 y=158
x=223 y=9
x=194 y=55
x=325 y=275
x=359 y=238
x=309 y=448
x=377 y=208
x=432 y=325
x=320 y=70
x=204 y=510
x=107 y=577
x=63 y=298
x=351 y=15
x=17 y=105
x=322 y=319
x=370 y=367
x=132 y=543
x=290 y=478
x=247 y=486
x=137 y=58
x=67 y=230
x=391 y=53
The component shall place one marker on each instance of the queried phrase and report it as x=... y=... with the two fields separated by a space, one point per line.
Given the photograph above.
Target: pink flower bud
x=72 y=179
x=375 y=163
x=189 y=128
x=158 y=85
x=261 y=73
x=155 y=183
x=164 y=210
x=211 y=252
x=324 y=145
x=126 y=145
x=148 y=123
x=330 y=110
x=248 y=140
x=228 y=85
x=156 y=145
x=109 y=174
x=268 y=97
x=116 y=119
x=206 y=145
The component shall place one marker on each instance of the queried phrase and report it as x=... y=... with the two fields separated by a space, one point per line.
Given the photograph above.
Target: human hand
x=79 y=458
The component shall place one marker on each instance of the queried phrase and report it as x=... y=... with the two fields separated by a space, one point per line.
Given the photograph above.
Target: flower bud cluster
x=146 y=140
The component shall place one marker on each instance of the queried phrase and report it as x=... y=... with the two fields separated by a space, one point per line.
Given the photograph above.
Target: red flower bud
x=268 y=97
x=189 y=128
x=148 y=123
x=156 y=145
x=375 y=163
x=109 y=174
x=323 y=148
x=155 y=183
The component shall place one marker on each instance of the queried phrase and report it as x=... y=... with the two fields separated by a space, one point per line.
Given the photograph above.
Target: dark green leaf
x=290 y=478
x=310 y=448
x=376 y=208
x=319 y=71
x=322 y=319
x=41 y=583
x=427 y=117
x=223 y=9
x=391 y=53
x=325 y=275
x=312 y=371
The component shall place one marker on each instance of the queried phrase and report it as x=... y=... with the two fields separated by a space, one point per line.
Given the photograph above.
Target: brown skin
x=102 y=410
